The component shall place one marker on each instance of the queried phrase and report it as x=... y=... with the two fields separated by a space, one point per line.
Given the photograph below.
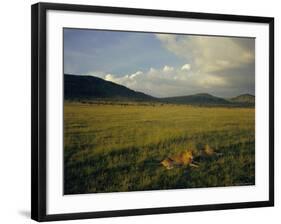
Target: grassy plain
x=111 y=148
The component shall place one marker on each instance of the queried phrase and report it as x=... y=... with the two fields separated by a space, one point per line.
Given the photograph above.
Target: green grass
x=111 y=148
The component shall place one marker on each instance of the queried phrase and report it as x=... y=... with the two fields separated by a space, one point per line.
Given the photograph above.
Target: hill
x=90 y=88
x=93 y=88
x=244 y=99
x=198 y=99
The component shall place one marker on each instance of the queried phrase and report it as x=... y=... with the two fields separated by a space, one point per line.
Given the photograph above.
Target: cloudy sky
x=163 y=65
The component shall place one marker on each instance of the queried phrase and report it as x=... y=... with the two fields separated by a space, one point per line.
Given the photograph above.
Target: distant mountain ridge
x=244 y=98
x=90 y=87
x=201 y=98
x=93 y=88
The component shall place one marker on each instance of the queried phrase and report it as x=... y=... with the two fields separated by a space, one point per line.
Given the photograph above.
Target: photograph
x=157 y=111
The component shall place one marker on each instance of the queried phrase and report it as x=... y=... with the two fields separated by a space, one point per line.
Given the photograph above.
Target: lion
x=185 y=158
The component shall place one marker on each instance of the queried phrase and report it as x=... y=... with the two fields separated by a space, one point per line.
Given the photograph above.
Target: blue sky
x=163 y=65
x=87 y=51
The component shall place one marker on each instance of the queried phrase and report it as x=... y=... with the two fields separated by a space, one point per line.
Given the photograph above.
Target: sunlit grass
x=119 y=147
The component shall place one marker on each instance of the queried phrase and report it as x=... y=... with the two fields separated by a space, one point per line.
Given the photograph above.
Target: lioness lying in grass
x=183 y=159
x=186 y=158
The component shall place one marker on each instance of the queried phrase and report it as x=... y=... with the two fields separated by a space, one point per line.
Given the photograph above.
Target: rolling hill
x=91 y=88
x=201 y=98
x=244 y=99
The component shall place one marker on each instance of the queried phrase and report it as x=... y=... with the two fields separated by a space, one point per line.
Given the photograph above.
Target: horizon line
x=198 y=93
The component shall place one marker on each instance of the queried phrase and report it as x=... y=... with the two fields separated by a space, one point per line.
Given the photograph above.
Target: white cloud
x=111 y=78
x=168 y=81
x=167 y=68
x=186 y=67
x=132 y=76
x=208 y=53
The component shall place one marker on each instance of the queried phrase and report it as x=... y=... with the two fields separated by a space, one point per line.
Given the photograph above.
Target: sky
x=163 y=65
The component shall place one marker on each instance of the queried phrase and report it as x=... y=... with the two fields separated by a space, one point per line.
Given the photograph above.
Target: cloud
x=186 y=67
x=169 y=81
x=110 y=78
x=217 y=65
x=210 y=53
x=168 y=68
x=211 y=80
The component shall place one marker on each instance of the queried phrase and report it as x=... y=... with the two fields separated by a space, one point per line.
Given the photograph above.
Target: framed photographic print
x=140 y=111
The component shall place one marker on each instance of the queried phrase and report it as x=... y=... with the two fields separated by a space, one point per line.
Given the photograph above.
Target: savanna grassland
x=115 y=147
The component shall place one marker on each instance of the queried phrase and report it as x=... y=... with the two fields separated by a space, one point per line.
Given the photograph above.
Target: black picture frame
x=39 y=122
